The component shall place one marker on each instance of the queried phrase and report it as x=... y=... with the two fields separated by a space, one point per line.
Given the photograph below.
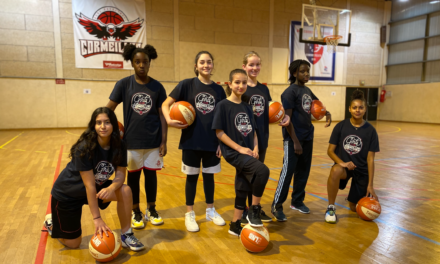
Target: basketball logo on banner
x=102 y=31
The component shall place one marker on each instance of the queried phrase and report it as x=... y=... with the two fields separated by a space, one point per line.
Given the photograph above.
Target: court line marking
x=377 y=220
x=398 y=130
x=44 y=234
x=72 y=133
x=11 y=140
x=327 y=164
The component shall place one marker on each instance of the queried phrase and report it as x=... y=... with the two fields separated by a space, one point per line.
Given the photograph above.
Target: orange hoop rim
x=333 y=37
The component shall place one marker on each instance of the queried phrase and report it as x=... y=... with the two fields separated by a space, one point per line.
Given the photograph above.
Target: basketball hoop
x=332 y=42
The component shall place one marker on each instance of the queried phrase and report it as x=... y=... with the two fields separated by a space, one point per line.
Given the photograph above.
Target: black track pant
x=133 y=180
x=297 y=166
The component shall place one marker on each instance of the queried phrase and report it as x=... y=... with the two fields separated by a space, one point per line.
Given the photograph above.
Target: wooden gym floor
x=407 y=182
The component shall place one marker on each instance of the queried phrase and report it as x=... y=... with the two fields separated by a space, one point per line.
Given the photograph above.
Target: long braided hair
x=294 y=68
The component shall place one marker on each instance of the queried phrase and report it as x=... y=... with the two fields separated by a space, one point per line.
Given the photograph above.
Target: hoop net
x=332 y=42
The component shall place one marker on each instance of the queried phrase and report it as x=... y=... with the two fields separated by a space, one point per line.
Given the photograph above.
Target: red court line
x=43 y=238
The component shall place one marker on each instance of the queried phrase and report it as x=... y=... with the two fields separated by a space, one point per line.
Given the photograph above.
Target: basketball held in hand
x=368 y=208
x=121 y=129
x=318 y=110
x=276 y=112
x=183 y=112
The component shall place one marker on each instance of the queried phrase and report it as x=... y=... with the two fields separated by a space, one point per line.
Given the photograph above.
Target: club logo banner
x=322 y=63
x=102 y=29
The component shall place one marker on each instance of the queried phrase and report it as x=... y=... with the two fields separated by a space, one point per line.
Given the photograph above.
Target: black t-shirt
x=299 y=99
x=141 y=102
x=258 y=98
x=70 y=187
x=238 y=123
x=354 y=144
x=204 y=98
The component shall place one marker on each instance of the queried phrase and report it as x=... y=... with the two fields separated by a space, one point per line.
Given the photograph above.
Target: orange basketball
x=121 y=129
x=368 y=208
x=184 y=112
x=106 y=248
x=276 y=112
x=254 y=239
x=318 y=110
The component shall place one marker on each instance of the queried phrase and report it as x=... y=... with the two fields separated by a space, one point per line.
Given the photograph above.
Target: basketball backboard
x=318 y=22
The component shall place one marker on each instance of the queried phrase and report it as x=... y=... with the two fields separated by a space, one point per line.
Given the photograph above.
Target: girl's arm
x=331 y=153
x=163 y=145
x=370 y=162
x=296 y=145
x=117 y=183
x=89 y=182
x=230 y=143
x=166 y=113
x=256 y=155
x=112 y=105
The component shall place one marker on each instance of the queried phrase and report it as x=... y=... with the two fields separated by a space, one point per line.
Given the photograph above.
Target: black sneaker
x=244 y=221
x=264 y=217
x=279 y=215
x=235 y=228
x=253 y=216
x=302 y=208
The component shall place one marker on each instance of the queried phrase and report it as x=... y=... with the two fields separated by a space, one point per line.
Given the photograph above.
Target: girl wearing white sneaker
x=97 y=154
x=145 y=129
x=235 y=127
x=198 y=142
x=258 y=96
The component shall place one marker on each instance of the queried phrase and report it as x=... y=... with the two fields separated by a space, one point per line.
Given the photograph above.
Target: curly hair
x=130 y=51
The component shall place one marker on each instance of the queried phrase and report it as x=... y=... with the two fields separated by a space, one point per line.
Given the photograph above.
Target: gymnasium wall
x=32 y=32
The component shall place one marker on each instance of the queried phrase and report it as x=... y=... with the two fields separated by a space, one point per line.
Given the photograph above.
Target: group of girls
x=234 y=125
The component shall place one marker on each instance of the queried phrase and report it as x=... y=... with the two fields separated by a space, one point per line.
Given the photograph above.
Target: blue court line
x=327 y=164
x=376 y=220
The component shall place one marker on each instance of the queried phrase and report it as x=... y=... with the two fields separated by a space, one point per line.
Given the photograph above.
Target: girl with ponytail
x=145 y=129
x=352 y=147
x=298 y=140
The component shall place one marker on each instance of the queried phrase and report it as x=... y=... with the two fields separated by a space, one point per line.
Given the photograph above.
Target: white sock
x=129 y=231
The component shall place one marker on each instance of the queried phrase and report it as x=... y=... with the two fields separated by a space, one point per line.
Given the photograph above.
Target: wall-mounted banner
x=322 y=63
x=102 y=28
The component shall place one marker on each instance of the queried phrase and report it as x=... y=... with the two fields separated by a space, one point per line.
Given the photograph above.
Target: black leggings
x=262 y=157
x=191 y=188
x=258 y=174
x=133 y=180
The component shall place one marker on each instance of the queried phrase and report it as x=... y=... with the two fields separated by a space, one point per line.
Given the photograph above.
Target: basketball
x=276 y=112
x=368 y=208
x=110 y=17
x=318 y=110
x=121 y=129
x=183 y=112
x=106 y=248
x=254 y=239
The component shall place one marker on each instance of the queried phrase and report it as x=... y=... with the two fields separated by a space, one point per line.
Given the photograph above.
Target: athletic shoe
x=254 y=216
x=279 y=215
x=48 y=223
x=137 y=220
x=265 y=218
x=243 y=220
x=302 y=208
x=130 y=241
x=190 y=222
x=330 y=214
x=235 y=228
x=212 y=215
x=153 y=216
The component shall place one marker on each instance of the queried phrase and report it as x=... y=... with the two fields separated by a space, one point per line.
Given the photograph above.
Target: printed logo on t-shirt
x=257 y=102
x=352 y=144
x=141 y=103
x=104 y=170
x=306 y=103
x=243 y=124
x=205 y=103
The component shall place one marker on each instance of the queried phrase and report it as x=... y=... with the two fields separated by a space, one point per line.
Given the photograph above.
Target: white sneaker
x=190 y=222
x=330 y=214
x=212 y=215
